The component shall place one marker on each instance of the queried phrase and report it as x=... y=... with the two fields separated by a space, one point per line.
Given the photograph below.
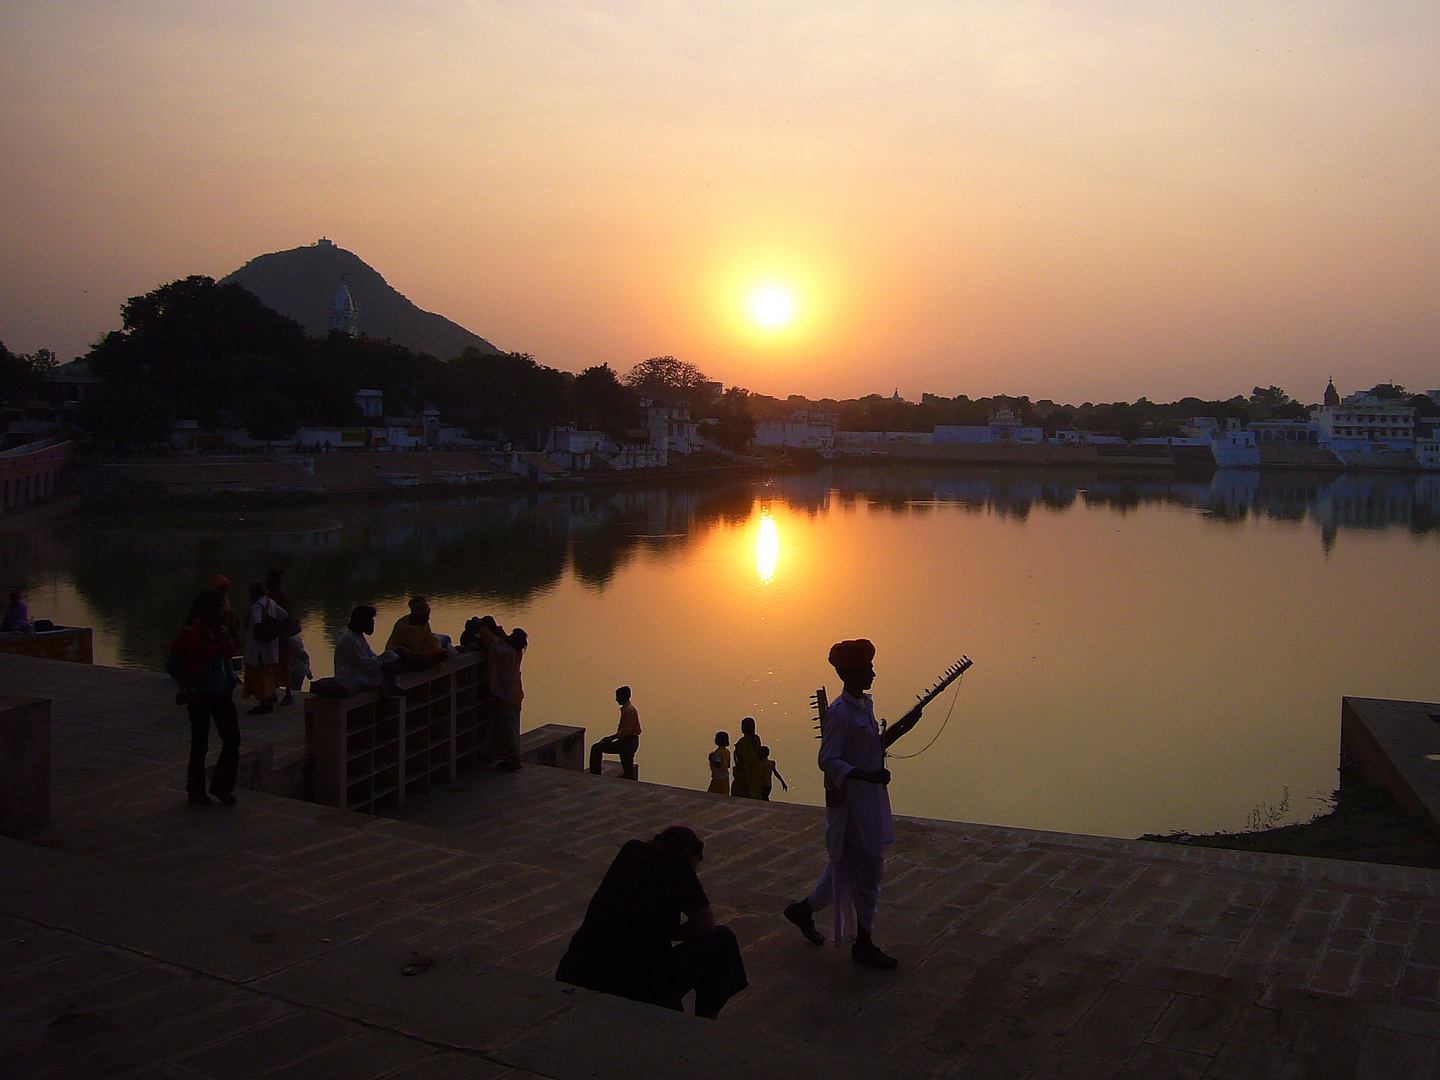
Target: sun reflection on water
x=767 y=548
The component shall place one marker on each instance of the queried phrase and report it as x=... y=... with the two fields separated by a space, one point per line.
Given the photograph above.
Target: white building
x=670 y=427
x=806 y=429
x=343 y=314
x=1427 y=452
x=1289 y=433
x=371 y=403
x=1004 y=426
x=1363 y=422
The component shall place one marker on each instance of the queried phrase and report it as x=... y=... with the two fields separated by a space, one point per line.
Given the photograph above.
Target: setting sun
x=772 y=306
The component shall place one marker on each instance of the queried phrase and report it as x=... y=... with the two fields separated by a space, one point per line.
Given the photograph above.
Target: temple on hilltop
x=343 y=316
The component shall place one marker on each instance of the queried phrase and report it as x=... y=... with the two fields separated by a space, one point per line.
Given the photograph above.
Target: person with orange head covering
x=857 y=810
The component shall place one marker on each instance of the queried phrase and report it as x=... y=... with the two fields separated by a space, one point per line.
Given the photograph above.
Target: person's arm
x=901 y=726
x=783 y=786
x=697 y=924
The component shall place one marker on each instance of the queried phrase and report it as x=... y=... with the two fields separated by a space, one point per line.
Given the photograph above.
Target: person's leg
x=508 y=740
x=711 y=966
x=222 y=783
x=867 y=871
x=199 y=747
x=607 y=745
x=626 y=749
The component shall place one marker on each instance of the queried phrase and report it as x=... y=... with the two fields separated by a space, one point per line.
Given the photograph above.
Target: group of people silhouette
x=754 y=771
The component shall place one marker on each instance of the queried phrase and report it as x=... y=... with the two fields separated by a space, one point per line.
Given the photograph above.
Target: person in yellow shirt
x=720 y=765
x=413 y=641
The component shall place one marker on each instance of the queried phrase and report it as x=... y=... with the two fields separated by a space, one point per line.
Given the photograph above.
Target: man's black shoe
x=800 y=914
x=227 y=799
x=199 y=799
x=869 y=954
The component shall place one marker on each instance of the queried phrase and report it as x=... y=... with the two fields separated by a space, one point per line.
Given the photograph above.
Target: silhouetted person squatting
x=356 y=665
x=748 y=773
x=199 y=662
x=626 y=739
x=412 y=639
x=624 y=946
x=720 y=765
x=857 y=808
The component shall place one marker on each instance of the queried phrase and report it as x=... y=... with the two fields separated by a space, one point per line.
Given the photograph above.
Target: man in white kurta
x=857 y=815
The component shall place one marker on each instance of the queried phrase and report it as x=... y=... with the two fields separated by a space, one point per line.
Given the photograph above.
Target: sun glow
x=772 y=306
x=767 y=548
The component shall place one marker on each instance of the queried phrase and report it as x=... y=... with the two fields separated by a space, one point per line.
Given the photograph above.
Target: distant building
x=1004 y=427
x=806 y=429
x=343 y=314
x=1427 y=452
x=1363 y=422
x=371 y=402
x=670 y=428
x=1289 y=432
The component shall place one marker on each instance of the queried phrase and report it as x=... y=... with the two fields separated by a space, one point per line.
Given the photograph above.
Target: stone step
x=176 y=979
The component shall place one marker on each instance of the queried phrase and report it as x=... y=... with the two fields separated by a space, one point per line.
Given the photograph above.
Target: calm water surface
x=1150 y=655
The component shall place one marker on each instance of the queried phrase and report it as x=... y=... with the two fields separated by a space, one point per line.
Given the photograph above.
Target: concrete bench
x=558 y=745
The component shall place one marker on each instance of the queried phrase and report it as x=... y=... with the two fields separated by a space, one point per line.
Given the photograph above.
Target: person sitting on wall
x=626 y=739
x=413 y=641
x=624 y=945
x=16 y=619
x=357 y=667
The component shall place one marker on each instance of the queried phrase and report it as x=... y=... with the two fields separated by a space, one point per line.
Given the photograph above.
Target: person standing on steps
x=720 y=765
x=199 y=662
x=857 y=808
x=748 y=773
x=626 y=739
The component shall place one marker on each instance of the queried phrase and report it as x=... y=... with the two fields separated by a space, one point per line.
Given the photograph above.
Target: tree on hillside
x=1389 y=392
x=665 y=378
x=603 y=401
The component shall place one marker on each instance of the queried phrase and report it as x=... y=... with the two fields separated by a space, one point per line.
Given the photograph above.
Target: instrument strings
x=953 y=699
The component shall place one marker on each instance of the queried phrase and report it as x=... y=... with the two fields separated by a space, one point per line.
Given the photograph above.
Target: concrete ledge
x=1397 y=743
x=557 y=745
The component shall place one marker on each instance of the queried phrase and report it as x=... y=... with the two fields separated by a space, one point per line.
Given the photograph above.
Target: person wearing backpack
x=199 y=662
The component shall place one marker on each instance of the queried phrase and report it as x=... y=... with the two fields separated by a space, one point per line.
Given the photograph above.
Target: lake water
x=1150 y=655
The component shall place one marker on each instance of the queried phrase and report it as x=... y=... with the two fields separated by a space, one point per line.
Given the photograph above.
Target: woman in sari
x=749 y=772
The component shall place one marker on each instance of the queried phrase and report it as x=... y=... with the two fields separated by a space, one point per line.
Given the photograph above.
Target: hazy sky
x=1071 y=200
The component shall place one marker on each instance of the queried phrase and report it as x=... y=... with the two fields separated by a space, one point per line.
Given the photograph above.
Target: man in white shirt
x=356 y=665
x=857 y=809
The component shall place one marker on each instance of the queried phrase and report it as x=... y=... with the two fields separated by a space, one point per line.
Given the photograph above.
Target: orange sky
x=1073 y=201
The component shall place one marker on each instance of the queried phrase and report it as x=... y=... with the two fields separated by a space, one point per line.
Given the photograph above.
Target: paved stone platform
x=1023 y=954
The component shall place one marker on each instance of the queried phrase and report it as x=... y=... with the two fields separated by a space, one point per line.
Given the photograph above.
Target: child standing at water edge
x=769 y=773
x=720 y=765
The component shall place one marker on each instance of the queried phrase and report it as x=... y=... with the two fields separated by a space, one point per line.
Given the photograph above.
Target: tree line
x=213 y=353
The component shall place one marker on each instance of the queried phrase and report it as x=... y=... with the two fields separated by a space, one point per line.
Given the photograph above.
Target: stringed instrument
x=820 y=701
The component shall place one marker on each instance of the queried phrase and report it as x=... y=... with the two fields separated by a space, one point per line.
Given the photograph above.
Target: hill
x=302 y=284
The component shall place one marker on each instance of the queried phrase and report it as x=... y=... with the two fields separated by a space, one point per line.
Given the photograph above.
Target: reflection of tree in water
x=482 y=550
x=139 y=574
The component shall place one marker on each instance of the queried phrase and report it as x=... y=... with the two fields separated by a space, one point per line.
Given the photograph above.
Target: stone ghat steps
x=1023 y=953
x=109 y=971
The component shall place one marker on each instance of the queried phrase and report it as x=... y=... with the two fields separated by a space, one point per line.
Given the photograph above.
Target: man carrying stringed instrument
x=857 y=808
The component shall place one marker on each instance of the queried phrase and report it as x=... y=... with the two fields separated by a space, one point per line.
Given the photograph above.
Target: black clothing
x=202 y=708
x=624 y=945
x=622 y=745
